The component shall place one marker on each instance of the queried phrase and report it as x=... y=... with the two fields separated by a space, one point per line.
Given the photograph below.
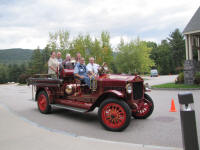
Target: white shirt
x=53 y=62
x=92 y=68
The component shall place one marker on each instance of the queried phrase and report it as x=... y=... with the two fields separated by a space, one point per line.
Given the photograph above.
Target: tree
x=177 y=47
x=36 y=65
x=164 y=61
x=3 y=74
x=78 y=45
x=134 y=57
x=99 y=49
x=59 y=41
x=106 y=53
x=14 y=73
x=170 y=54
x=154 y=52
x=45 y=57
x=96 y=51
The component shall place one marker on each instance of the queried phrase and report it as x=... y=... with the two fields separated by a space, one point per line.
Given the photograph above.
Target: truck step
x=69 y=108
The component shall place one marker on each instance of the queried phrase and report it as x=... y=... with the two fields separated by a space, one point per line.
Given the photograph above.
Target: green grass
x=145 y=79
x=173 y=85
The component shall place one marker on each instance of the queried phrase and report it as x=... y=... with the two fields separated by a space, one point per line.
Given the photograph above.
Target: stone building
x=192 y=43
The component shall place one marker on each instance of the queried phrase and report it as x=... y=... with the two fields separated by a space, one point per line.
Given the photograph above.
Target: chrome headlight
x=69 y=90
x=147 y=87
x=129 y=88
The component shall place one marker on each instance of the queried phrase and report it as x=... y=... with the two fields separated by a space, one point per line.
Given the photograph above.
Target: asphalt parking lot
x=161 y=129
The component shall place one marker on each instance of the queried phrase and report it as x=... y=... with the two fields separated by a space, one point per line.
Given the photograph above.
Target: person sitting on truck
x=80 y=72
x=53 y=64
x=92 y=68
x=59 y=57
x=73 y=61
x=78 y=58
x=103 y=69
x=67 y=64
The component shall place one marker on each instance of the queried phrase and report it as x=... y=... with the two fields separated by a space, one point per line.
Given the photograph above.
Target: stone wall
x=189 y=71
x=190 y=67
x=197 y=67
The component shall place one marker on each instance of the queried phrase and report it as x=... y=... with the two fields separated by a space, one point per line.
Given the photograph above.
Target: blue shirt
x=80 y=69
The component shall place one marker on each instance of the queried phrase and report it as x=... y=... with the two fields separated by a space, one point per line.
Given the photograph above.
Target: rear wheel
x=43 y=102
x=145 y=108
x=114 y=114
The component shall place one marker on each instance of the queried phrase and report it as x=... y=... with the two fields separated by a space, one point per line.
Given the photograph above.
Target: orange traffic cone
x=172 y=109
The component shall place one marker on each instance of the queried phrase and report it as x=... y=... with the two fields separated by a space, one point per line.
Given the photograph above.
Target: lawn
x=173 y=85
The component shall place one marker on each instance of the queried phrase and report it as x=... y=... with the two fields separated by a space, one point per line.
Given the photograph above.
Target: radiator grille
x=138 y=91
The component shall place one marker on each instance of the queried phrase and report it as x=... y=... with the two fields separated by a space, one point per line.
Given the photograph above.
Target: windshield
x=154 y=71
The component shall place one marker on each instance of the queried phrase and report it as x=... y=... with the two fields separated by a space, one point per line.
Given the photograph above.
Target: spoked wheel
x=145 y=108
x=114 y=114
x=43 y=103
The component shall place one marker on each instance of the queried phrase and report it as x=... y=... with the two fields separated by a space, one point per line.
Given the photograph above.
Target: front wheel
x=145 y=108
x=114 y=114
x=43 y=102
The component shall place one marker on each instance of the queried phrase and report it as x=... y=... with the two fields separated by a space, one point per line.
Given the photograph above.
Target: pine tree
x=177 y=47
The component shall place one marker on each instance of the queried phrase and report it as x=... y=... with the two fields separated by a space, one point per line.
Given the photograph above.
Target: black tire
x=150 y=103
x=120 y=117
x=43 y=102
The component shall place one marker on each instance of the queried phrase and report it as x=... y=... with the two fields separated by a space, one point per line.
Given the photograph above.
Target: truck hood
x=119 y=77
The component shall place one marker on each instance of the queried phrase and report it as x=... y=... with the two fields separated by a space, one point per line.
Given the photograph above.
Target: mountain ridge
x=15 y=55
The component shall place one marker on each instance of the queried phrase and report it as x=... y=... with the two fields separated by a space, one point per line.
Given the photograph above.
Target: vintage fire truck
x=117 y=97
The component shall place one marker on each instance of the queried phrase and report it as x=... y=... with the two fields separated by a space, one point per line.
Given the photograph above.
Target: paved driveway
x=162 y=128
x=160 y=79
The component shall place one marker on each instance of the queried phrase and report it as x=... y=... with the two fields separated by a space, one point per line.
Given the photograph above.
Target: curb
x=174 y=89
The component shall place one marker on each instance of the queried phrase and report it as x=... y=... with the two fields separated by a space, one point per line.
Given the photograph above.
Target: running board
x=69 y=108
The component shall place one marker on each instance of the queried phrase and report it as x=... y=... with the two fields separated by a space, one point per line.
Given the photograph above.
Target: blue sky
x=27 y=23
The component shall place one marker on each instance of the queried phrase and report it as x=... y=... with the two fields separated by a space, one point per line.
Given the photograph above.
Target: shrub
x=197 y=78
x=179 y=69
x=180 y=78
x=22 y=78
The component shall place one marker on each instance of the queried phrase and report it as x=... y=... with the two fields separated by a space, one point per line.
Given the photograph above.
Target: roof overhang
x=191 y=32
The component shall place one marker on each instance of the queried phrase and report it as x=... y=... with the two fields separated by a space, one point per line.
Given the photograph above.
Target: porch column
x=190 y=47
x=186 y=47
x=198 y=45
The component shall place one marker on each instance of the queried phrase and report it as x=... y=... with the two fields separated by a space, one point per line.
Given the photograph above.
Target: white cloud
x=26 y=24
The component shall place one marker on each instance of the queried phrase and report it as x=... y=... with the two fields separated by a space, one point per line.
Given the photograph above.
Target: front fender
x=115 y=92
x=105 y=95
